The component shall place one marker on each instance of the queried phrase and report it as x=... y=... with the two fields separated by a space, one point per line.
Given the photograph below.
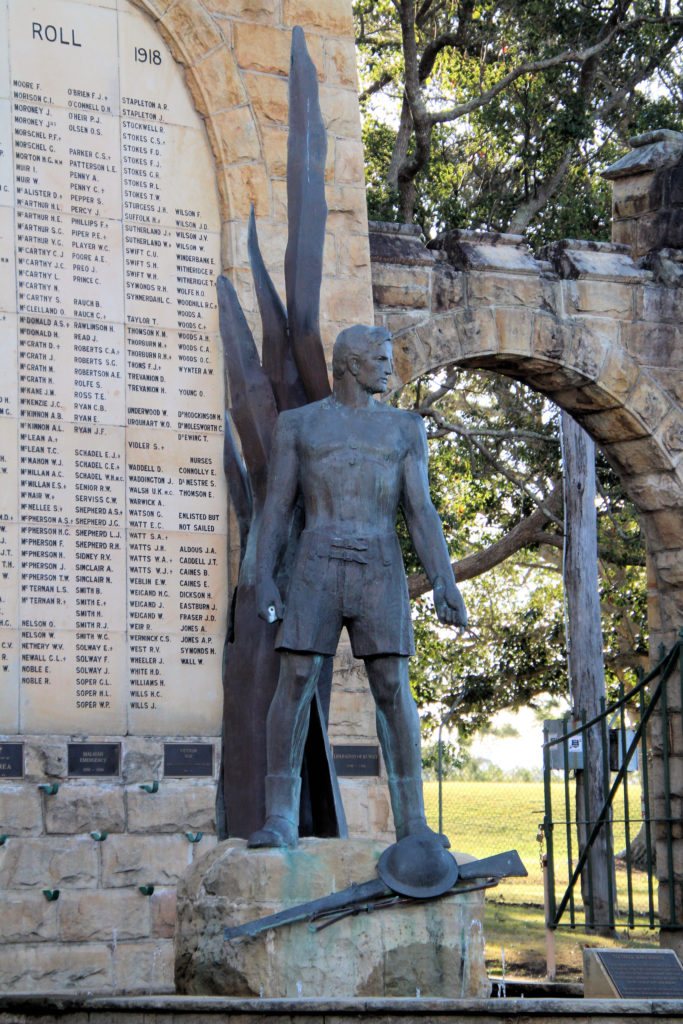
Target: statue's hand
x=449 y=604
x=270 y=606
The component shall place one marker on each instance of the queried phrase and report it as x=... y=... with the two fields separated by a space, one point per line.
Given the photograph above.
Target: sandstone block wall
x=236 y=59
x=101 y=843
x=102 y=932
x=97 y=843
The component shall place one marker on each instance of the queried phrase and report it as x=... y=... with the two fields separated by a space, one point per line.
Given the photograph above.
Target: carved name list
x=112 y=504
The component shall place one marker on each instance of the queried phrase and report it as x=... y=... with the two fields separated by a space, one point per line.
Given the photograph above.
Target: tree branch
x=401 y=145
x=525 y=213
x=528 y=210
x=528 y=531
x=453 y=372
x=384 y=79
x=432 y=51
x=422 y=126
x=618 y=95
x=470 y=437
x=531 y=67
x=457 y=40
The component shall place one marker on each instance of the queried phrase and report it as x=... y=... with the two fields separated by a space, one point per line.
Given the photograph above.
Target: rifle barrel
x=355 y=893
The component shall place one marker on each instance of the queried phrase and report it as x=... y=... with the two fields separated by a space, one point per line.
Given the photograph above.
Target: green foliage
x=529 y=157
x=581 y=207
x=451 y=759
x=513 y=652
x=488 y=157
x=378 y=141
x=495 y=457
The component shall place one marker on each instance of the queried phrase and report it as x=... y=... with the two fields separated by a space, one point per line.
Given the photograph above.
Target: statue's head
x=365 y=353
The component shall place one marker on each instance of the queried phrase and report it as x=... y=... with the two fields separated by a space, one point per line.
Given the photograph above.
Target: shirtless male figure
x=354 y=461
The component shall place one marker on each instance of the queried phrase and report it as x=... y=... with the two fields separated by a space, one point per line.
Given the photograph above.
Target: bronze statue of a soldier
x=353 y=461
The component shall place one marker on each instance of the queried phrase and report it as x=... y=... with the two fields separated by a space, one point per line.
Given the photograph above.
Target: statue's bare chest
x=341 y=443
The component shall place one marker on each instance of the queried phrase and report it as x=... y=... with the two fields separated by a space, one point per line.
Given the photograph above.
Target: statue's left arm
x=425 y=528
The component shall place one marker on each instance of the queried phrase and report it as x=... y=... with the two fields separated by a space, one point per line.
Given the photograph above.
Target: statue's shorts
x=357 y=582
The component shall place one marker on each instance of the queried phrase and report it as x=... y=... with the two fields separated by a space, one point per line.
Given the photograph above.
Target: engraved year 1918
x=147 y=56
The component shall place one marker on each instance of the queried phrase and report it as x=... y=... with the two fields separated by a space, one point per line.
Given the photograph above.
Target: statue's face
x=372 y=367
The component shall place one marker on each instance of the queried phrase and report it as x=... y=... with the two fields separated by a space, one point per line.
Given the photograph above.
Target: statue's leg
x=286 y=729
x=398 y=729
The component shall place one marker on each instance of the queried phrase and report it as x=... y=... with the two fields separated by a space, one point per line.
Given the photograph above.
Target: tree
x=496 y=477
x=501 y=115
x=491 y=165
x=482 y=112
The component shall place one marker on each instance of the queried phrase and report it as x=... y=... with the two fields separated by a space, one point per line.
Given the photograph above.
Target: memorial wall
x=134 y=137
x=113 y=501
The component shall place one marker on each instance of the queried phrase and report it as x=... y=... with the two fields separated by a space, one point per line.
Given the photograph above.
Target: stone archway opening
x=502 y=437
x=586 y=326
x=565 y=324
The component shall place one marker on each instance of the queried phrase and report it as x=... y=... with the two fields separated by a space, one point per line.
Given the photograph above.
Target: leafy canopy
x=480 y=114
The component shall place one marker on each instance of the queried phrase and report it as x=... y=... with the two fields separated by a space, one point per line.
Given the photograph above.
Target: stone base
x=429 y=948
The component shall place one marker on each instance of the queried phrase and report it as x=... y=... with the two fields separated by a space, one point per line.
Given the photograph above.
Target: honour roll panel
x=113 y=503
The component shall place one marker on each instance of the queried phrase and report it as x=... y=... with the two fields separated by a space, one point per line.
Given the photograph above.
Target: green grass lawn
x=517 y=932
x=482 y=818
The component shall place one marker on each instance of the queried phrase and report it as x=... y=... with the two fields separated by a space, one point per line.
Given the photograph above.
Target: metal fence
x=627 y=895
x=486 y=817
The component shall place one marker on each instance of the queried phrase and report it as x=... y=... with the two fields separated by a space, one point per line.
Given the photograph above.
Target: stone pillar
x=647 y=209
x=647 y=193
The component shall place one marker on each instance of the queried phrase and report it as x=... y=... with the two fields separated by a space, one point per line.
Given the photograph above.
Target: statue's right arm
x=281 y=493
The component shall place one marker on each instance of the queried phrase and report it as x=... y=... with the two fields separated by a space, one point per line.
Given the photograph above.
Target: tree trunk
x=638 y=852
x=585 y=665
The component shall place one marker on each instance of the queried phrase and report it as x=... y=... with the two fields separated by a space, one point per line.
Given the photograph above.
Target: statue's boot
x=281 y=827
x=407 y=803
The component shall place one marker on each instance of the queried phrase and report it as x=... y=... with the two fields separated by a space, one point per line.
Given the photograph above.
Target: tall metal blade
x=307 y=215
x=276 y=354
x=251 y=395
x=238 y=483
x=501 y=865
x=353 y=894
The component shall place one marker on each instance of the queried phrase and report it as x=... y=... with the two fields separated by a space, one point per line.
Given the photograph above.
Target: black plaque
x=11 y=760
x=356 y=761
x=93 y=759
x=185 y=759
x=644 y=973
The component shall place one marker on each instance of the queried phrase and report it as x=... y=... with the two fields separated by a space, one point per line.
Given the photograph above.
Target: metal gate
x=623 y=736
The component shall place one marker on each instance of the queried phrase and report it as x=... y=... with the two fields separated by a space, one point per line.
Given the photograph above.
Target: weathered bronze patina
x=414 y=868
x=289 y=372
x=352 y=462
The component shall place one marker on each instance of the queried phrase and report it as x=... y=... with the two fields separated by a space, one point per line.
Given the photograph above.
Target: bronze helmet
x=418 y=866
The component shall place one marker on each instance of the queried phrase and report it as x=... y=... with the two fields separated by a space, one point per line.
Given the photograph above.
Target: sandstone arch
x=594 y=332
x=483 y=302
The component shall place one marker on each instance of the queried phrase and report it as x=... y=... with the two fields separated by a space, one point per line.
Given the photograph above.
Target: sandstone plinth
x=430 y=948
